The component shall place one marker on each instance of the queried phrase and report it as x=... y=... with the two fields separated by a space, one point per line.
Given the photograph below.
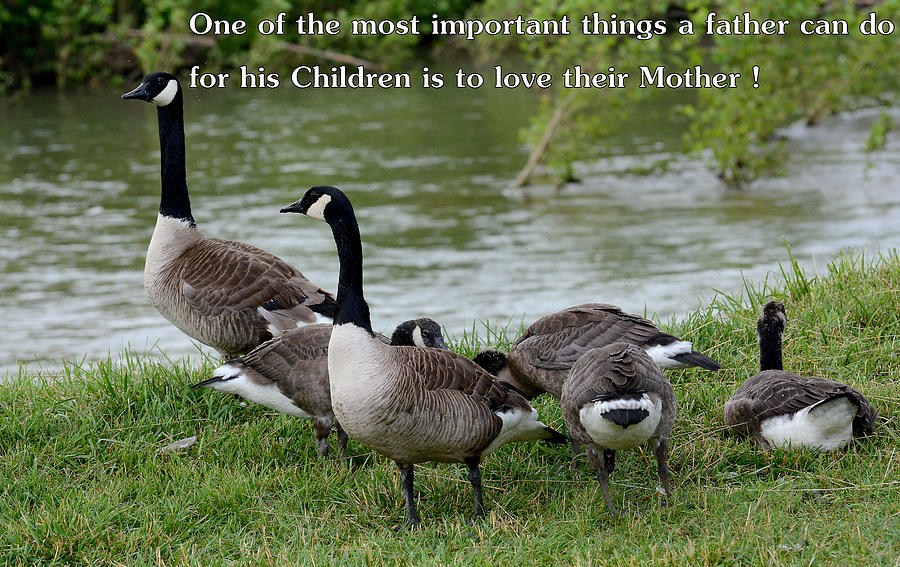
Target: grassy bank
x=84 y=481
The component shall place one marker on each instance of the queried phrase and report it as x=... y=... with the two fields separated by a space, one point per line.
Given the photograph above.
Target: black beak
x=294 y=208
x=439 y=343
x=140 y=93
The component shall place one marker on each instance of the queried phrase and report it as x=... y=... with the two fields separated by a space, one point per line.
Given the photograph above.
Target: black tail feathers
x=695 y=358
x=554 y=437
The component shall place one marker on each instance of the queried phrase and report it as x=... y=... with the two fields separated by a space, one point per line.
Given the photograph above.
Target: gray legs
x=604 y=462
x=342 y=444
x=475 y=480
x=406 y=481
x=662 y=456
x=323 y=428
x=603 y=469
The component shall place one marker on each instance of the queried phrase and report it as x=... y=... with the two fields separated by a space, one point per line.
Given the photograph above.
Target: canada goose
x=781 y=409
x=290 y=374
x=409 y=404
x=539 y=361
x=220 y=292
x=616 y=398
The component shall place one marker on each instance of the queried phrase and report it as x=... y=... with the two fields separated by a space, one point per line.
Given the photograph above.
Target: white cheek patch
x=317 y=209
x=417 y=337
x=167 y=94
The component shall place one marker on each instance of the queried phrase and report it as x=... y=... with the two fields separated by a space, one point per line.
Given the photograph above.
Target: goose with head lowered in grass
x=780 y=409
x=290 y=374
x=225 y=294
x=539 y=361
x=411 y=405
x=616 y=398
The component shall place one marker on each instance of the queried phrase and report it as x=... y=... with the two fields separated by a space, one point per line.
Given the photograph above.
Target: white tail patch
x=319 y=319
x=643 y=403
x=518 y=425
x=235 y=381
x=225 y=373
x=825 y=425
x=662 y=354
x=607 y=434
x=277 y=321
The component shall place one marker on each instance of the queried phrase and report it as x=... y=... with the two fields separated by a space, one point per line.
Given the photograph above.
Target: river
x=427 y=171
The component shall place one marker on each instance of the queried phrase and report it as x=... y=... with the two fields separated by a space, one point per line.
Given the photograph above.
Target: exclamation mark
x=756 y=76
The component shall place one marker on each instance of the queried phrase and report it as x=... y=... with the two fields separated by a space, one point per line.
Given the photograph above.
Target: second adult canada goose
x=539 y=361
x=409 y=404
x=616 y=398
x=781 y=409
x=222 y=293
x=290 y=374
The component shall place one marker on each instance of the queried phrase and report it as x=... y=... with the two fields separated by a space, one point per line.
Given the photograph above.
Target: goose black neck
x=770 y=350
x=174 y=201
x=351 y=305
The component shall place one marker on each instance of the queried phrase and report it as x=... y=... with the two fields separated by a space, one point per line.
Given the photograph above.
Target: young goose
x=290 y=374
x=780 y=409
x=540 y=360
x=409 y=404
x=220 y=292
x=616 y=398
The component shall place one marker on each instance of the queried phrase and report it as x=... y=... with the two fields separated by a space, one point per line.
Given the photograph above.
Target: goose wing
x=434 y=370
x=775 y=392
x=296 y=362
x=278 y=358
x=556 y=341
x=222 y=276
x=613 y=371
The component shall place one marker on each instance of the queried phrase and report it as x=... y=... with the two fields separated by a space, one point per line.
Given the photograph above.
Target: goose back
x=220 y=292
x=297 y=364
x=774 y=393
x=618 y=379
x=541 y=358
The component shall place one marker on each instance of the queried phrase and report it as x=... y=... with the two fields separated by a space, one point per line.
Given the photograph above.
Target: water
x=427 y=172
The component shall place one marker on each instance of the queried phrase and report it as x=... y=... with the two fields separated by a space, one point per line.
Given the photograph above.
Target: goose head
x=321 y=202
x=422 y=332
x=772 y=321
x=496 y=363
x=159 y=89
x=493 y=361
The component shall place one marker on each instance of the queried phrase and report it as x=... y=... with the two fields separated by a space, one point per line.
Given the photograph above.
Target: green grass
x=83 y=481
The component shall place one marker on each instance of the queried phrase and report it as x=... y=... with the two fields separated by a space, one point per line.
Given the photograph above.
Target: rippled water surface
x=79 y=188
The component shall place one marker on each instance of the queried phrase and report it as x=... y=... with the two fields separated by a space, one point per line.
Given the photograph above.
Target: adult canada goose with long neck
x=539 y=361
x=617 y=398
x=781 y=409
x=409 y=404
x=290 y=374
x=223 y=293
